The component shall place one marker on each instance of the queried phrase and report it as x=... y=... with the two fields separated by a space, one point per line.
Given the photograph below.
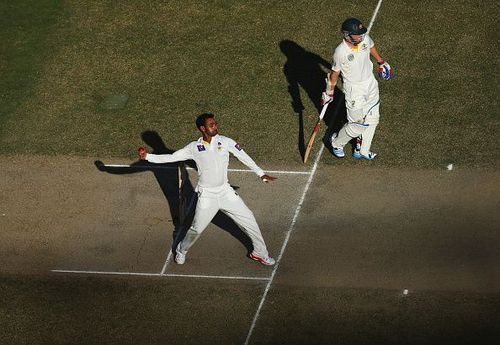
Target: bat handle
x=323 y=110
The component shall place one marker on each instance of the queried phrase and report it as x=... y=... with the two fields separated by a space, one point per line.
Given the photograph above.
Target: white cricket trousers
x=225 y=199
x=362 y=104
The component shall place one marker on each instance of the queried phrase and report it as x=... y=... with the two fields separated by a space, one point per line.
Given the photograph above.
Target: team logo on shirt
x=201 y=148
x=219 y=146
x=238 y=147
x=350 y=57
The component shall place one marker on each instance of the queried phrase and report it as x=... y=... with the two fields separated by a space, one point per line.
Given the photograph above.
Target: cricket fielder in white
x=352 y=59
x=211 y=154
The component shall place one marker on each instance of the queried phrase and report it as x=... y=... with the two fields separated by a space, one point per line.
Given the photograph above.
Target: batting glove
x=385 y=71
x=325 y=98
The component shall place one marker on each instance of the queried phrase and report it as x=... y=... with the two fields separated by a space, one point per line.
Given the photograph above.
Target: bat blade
x=311 y=140
x=315 y=131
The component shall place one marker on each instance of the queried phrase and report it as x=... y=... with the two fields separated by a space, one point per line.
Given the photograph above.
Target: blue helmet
x=353 y=26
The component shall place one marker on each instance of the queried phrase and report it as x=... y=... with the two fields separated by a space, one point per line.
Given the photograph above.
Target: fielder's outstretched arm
x=244 y=158
x=183 y=154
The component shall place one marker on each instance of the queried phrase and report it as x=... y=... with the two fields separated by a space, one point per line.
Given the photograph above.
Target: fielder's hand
x=267 y=178
x=385 y=71
x=142 y=153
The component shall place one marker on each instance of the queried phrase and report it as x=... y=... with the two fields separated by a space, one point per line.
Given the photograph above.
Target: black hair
x=200 y=120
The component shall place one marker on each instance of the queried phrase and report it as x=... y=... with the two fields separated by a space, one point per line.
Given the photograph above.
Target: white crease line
x=274 y=171
x=109 y=273
x=292 y=225
x=214 y=277
x=169 y=257
x=161 y=275
x=285 y=172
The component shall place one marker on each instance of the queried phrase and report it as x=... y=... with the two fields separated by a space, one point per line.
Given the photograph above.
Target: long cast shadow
x=306 y=70
x=181 y=201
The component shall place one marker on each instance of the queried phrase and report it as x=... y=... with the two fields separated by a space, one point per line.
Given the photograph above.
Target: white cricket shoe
x=338 y=152
x=371 y=156
x=356 y=154
x=268 y=261
x=180 y=258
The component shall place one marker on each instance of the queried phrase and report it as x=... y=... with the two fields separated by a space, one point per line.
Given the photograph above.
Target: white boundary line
x=294 y=220
x=151 y=167
x=161 y=275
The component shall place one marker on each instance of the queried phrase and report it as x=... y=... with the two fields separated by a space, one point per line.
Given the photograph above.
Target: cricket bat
x=315 y=131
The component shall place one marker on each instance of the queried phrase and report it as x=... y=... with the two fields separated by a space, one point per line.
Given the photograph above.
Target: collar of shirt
x=216 y=138
x=355 y=49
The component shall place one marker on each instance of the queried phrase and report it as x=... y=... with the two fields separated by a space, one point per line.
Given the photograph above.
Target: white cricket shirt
x=354 y=64
x=211 y=159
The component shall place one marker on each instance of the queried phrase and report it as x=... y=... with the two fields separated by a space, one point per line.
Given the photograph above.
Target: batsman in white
x=211 y=154
x=351 y=59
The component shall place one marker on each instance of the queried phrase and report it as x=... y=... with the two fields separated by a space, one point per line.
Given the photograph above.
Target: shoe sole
x=360 y=156
x=258 y=259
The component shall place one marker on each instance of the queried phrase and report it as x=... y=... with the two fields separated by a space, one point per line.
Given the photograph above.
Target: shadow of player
x=176 y=186
x=306 y=70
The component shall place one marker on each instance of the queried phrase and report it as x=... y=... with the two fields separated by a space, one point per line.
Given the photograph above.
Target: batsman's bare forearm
x=333 y=77
x=376 y=55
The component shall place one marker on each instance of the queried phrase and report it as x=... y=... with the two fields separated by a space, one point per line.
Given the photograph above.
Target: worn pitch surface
x=361 y=237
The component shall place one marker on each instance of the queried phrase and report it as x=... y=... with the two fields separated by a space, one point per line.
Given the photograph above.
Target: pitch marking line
x=297 y=211
x=214 y=277
x=109 y=273
x=169 y=256
x=161 y=275
x=285 y=243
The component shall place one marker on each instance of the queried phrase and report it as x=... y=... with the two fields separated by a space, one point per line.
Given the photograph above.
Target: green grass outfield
x=174 y=59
